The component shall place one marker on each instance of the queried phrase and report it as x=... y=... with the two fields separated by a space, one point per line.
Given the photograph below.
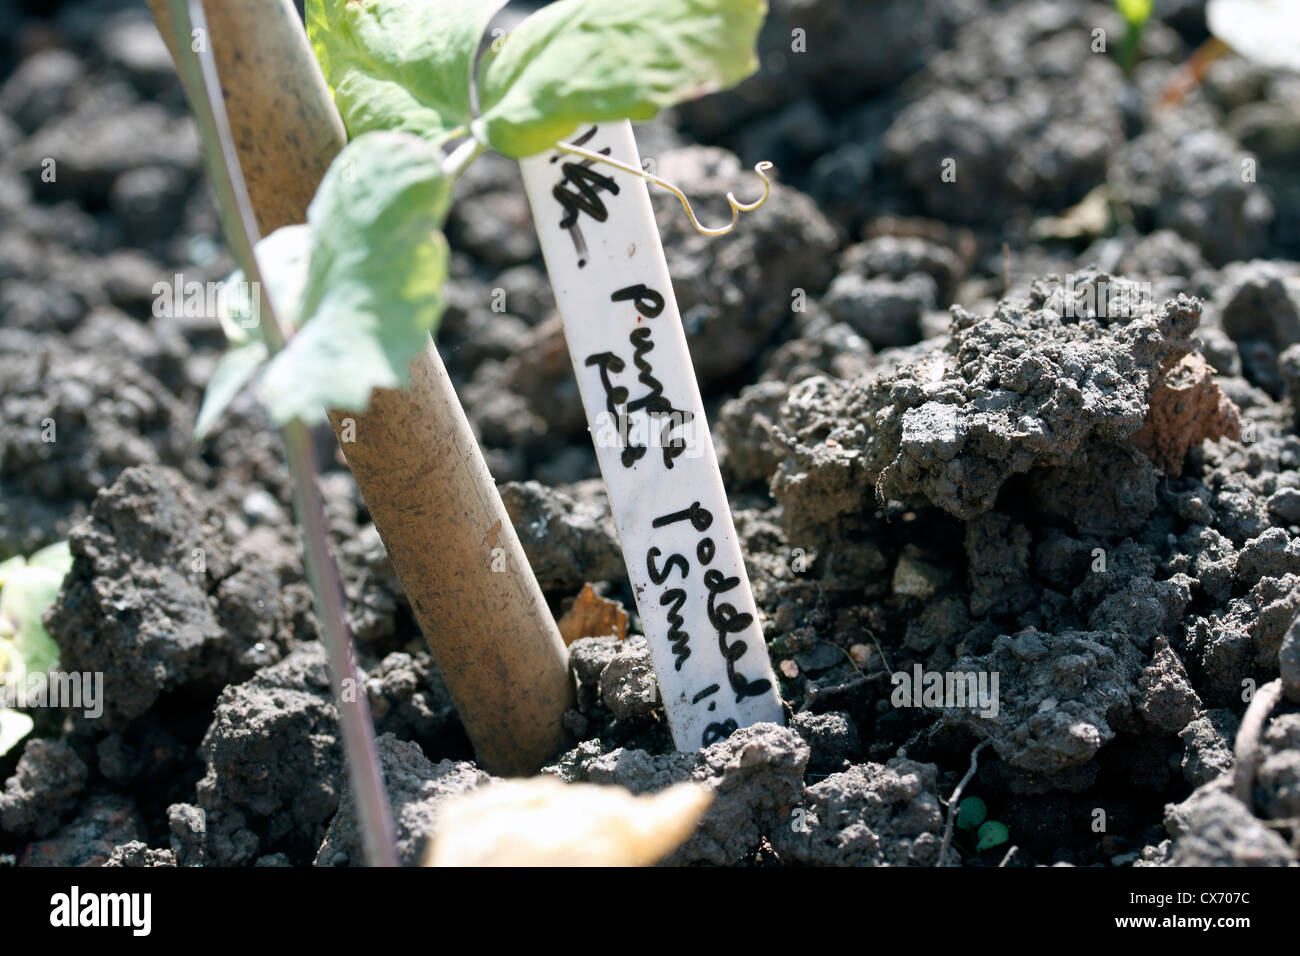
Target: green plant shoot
x=983 y=834
x=971 y=813
x=359 y=286
x=587 y=61
x=1136 y=13
x=395 y=65
x=27 y=589
x=991 y=833
x=400 y=66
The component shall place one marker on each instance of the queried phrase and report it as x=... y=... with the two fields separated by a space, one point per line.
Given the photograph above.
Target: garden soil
x=1004 y=380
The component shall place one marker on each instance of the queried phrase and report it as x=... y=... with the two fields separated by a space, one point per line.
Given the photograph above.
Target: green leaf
x=372 y=293
x=992 y=833
x=229 y=378
x=1135 y=12
x=56 y=557
x=27 y=593
x=1266 y=31
x=359 y=286
x=586 y=61
x=282 y=259
x=14 y=726
x=9 y=567
x=394 y=64
x=22 y=603
x=971 y=813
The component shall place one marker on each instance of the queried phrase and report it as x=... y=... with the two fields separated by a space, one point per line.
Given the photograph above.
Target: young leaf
x=22 y=605
x=14 y=726
x=971 y=813
x=56 y=557
x=10 y=566
x=584 y=61
x=282 y=259
x=358 y=287
x=373 y=288
x=28 y=591
x=393 y=64
x=228 y=379
x=992 y=833
x=1135 y=12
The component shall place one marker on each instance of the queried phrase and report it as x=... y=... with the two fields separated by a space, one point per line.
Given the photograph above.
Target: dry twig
x=955 y=799
x=1246 y=748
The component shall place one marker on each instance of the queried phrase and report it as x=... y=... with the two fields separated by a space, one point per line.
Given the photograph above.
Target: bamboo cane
x=412 y=452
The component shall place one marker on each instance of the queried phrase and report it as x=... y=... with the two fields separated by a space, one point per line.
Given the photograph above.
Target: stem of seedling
x=1190 y=74
x=354 y=709
x=1128 y=48
x=202 y=84
x=459 y=159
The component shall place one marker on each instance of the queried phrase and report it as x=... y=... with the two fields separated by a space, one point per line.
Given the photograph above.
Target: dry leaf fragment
x=593 y=616
x=1186 y=407
x=1092 y=216
x=543 y=822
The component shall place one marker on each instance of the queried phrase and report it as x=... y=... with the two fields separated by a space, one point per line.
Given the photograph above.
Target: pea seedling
x=261 y=335
x=581 y=66
x=346 y=301
x=1136 y=13
x=975 y=834
x=28 y=586
x=587 y=66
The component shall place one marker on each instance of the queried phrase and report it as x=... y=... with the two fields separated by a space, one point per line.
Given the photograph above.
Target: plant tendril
x=737 y=207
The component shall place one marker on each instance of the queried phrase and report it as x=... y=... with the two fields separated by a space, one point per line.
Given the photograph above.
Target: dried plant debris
x=1185 y=408
x=543 y=822
x=753 y=775
x=591 y=615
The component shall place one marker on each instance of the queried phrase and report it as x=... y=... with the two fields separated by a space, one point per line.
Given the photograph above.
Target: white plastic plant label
x=625 y=336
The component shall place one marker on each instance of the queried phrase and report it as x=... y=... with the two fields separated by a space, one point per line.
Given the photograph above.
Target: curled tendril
x=737 y=207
